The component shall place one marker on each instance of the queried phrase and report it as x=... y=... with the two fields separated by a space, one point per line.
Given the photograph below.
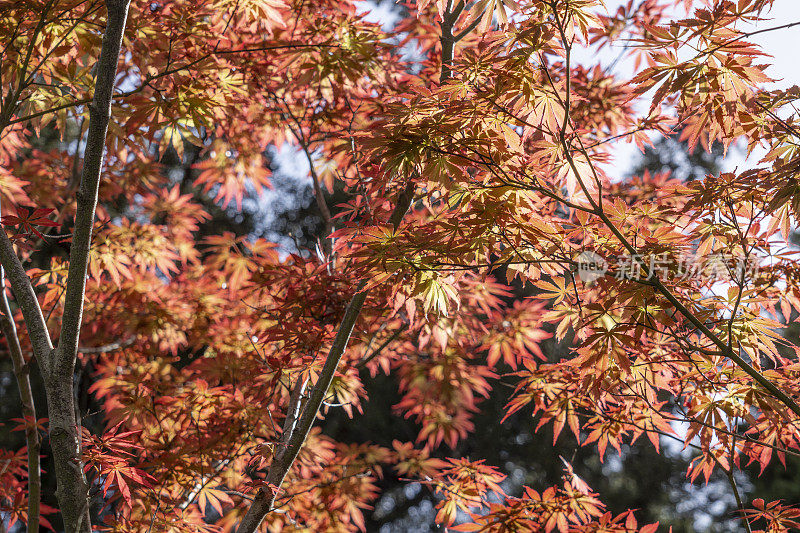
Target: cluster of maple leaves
x=507 y=158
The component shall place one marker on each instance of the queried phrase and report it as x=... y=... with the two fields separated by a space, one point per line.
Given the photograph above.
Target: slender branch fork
x=58 y=364
x=300 y=418
x=299 y=424
x=264 y=501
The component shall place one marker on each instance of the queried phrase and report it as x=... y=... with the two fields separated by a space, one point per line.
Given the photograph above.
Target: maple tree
x=213 y=355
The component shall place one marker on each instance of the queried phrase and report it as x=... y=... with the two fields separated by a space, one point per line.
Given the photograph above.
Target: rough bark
x=72 y=491
x=26 y=299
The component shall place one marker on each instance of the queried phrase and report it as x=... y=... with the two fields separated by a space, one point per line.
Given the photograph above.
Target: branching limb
x=168 y=72
x=22 y=374
x=292 y=416
x=72 y=489
x=265 y=498
x=739 y=502
x=108 y=348
x=319 y=195
x=27 y=301
x=447 y=39
x=283 y=460
x=99 y=116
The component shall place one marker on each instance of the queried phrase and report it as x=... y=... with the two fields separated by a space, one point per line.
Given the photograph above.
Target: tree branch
x=22 y=374
x=655 y=282
x=447 y=40
x=107 y=348
x=99 y=115
x=319 y=195
x=364 y=362
x=27 y=301
x=283 y=460
x=72 y=489
x=149 y=79
x=265 y=498
x=292 y=416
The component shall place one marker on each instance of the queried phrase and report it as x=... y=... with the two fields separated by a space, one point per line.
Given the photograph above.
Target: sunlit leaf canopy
x=202 y=342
